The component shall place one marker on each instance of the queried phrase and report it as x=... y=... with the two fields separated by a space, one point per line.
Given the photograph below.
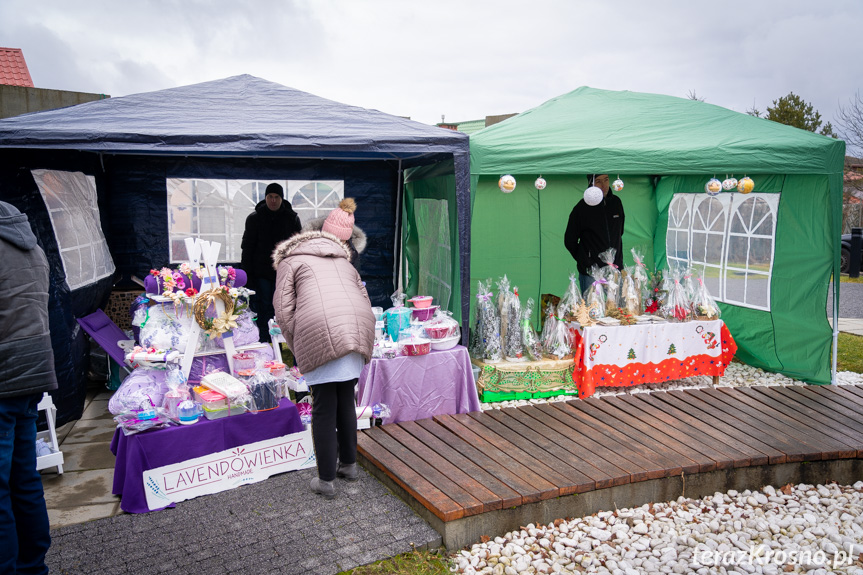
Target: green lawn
x=414 y=563
x=846 y=280
x=850 y=356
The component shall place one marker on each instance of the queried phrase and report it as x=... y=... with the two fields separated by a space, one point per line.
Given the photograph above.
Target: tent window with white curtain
x=216 y=210
x=432 y=219
x=731 y=243
x=71 y=201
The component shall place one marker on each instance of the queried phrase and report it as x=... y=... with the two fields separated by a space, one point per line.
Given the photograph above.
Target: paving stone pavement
x=275 y=526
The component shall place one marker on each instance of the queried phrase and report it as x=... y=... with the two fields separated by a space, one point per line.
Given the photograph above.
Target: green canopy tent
x=767 y=256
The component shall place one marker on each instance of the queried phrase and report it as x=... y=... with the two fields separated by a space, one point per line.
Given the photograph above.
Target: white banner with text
x=228 y=469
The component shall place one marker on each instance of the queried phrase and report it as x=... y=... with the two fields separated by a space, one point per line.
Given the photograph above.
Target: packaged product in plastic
x=146 y=418
x=546 y=338
x=264 y=392
x=398 y=317
x=144 y=384
x=178 y=391
x=703 y=304
x=594 y=297
x=441 y=326
x=531 y=343
x=475 y=342
x=630 y=293
x=657 y=293
x=568 y=305
x=502 y=305
x=513 y=344
x=641 y=275
x=611 y=274
x=561 y=344
x=677 y=306
x=490 y=323
x=167 y=326
x=246 y=331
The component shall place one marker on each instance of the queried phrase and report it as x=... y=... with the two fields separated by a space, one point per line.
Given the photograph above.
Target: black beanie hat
x=275 y=189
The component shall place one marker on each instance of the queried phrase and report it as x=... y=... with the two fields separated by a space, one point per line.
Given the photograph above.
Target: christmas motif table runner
x=635 y=354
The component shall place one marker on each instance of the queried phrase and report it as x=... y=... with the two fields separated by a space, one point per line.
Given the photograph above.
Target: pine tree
x=671 y=349
x=631 y=354
x=792 y=110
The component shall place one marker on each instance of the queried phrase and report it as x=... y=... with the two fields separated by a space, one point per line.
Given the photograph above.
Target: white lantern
x=729 y=184
x=593 y=196
x=506 y=184
x=617 y=185
x=745 y=185
x=540 y=183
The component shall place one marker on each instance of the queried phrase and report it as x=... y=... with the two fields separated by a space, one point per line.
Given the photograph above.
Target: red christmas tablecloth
x=634 y=354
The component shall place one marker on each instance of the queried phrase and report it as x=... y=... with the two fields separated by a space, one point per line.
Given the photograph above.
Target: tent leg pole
x=835 y=330
x=397 y=256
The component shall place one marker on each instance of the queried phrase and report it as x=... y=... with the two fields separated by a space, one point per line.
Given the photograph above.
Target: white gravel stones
x=802 y=528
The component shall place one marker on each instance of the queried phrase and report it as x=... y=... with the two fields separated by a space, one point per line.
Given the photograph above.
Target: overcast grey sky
x=465 y=59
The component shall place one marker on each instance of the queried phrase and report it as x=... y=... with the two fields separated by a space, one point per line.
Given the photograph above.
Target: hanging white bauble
x=617 y=185
x=506 y=184
x=729 y=184
x=540 y=183
x=593 y=196
x=713 y=187
x=745 y=185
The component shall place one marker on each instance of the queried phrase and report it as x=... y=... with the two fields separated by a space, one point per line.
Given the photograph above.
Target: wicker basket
x=118 y=307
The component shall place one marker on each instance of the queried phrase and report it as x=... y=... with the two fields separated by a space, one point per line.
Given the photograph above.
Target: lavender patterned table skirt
x=156 y=448
x=419 y=387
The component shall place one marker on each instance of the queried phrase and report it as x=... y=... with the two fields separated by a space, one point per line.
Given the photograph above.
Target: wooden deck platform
x=485 y=473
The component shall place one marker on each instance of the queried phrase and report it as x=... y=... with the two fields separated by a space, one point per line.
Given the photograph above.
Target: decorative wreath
x=224 y=322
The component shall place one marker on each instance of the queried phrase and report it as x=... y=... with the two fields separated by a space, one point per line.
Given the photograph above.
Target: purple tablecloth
x=156 y=448
x=440 y=383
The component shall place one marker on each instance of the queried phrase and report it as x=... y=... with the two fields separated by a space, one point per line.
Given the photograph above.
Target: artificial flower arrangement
x=182 y=286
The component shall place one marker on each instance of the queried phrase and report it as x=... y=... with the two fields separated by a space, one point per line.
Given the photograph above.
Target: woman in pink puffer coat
x=325 y=315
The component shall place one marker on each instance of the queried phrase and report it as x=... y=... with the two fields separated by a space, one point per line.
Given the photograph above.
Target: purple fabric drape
x=419 y=387
x=156 y=448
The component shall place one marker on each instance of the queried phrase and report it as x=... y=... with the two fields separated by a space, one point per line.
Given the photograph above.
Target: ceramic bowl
x=421 y=301
x=424 y=313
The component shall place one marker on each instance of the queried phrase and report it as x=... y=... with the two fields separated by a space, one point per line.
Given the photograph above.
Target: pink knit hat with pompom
x=340 y=222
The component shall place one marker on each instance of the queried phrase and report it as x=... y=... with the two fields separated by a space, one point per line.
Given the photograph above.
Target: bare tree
x=691 y=95
x=849 y=121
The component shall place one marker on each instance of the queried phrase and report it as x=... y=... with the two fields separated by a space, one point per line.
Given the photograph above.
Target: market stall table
x=419 y=387
x=157 y=448
x=649 y=353
x=504 y=380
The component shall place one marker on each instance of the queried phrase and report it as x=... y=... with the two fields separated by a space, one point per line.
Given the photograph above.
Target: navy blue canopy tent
x=243 y=128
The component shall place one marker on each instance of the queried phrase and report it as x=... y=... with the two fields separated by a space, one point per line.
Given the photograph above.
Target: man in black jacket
x=272 y=222
x=26 y=371
x=593 y=229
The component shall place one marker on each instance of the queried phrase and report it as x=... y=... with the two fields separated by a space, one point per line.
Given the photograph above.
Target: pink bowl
x=424 y=313
x=421 y=301
x=417 y=347
x=439 y=331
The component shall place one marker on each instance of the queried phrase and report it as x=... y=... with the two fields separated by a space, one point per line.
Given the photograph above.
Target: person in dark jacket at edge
x=272 y=222
x=26 y=371
x=593 y=229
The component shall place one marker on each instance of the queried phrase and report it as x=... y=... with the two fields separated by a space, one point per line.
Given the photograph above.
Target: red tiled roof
x=13 y=68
